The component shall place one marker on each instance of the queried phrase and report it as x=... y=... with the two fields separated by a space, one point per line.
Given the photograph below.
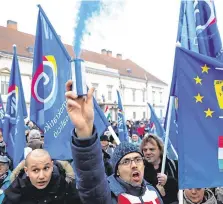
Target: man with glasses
x=126 y=185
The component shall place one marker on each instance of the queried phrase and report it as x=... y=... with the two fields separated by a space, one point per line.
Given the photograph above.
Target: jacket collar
x=116 y=187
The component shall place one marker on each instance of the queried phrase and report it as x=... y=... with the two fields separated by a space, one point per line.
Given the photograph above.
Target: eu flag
x=200 y=113
x=160 y=132
x=14 y=126
x=198 y=32
x=122 y=129
x=2 y=113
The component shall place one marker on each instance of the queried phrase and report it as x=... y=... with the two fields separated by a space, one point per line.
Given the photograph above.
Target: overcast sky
x=142 y=30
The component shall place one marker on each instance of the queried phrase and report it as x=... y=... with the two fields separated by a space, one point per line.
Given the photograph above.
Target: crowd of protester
x=101 y=172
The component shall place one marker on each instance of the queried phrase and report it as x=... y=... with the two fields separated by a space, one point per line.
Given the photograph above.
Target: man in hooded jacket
x=41 y=181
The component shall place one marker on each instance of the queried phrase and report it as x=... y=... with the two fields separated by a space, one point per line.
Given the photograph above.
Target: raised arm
x=87 y=153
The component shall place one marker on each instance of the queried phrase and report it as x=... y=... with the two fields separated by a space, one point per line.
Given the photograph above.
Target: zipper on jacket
x=140 y=197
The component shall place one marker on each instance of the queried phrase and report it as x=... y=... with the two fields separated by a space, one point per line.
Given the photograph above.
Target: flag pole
x=181 y=196
x=174 y=151
x=167 y=133
x=114 y=135
x=166 y=144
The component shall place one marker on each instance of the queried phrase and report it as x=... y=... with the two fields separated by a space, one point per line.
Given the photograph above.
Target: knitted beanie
x=120 y=151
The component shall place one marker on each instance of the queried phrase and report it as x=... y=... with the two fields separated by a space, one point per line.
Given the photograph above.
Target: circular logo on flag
x=44 y=86
x=203 y=23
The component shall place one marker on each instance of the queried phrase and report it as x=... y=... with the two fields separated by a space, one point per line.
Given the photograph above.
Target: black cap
x=104 y=138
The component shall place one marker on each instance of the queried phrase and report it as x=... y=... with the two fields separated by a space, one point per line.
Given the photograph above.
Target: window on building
x=143 y=96
x=153 y=96
x=133 y=95
x=110 y=95
x=4 y=83
x=144 y=115
x=161 y=113
x=95 y=90
x=161 y=97
x=109 y=92
x=134 y=115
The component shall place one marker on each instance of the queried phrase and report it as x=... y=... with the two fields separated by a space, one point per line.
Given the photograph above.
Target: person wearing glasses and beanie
x=126 y=185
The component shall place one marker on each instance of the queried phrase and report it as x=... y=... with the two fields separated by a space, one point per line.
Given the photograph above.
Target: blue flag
x=122 y=129
x=100 y=121
x=14 y=126
x=200 y=115
x=51 y=70
x=160 y=132
x=2 y=113
x=198 y=32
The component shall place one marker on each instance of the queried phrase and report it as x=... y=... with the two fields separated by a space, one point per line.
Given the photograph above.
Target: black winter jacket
x=58 y=191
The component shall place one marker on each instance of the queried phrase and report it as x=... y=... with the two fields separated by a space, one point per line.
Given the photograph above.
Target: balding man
x=41 y=181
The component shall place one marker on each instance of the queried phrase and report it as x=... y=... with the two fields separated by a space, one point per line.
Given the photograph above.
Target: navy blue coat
x=91 y=179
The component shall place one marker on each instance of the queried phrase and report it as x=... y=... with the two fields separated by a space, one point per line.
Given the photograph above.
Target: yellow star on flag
x=198 y=80
x=199 y=98
x=205 y=68
x=209 y=113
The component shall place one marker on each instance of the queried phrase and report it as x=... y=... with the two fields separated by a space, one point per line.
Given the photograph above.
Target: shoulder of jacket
x=65 y=169
x=17 y=170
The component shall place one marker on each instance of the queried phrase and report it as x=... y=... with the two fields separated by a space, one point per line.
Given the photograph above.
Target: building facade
x=105 y=72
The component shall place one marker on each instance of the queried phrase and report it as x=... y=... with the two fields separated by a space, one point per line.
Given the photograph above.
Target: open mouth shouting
x=136 y=176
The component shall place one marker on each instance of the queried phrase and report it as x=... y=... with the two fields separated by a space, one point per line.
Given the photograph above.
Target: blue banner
x=2 y=113
x=122 y=129
x=160 y=132
x=51 y=70
x=199 y=117
x=14 y=126
x=198 y=32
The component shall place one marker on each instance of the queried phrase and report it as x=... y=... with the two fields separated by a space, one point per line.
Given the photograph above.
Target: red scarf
x=150 y=197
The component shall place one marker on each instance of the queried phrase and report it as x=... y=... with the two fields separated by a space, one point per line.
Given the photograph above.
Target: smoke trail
x=87 y=10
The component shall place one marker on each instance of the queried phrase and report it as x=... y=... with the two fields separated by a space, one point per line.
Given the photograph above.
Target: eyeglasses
x=128 y=161
x=3 y=164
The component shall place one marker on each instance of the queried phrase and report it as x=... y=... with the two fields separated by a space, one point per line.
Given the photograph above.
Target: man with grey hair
x=34 y=140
